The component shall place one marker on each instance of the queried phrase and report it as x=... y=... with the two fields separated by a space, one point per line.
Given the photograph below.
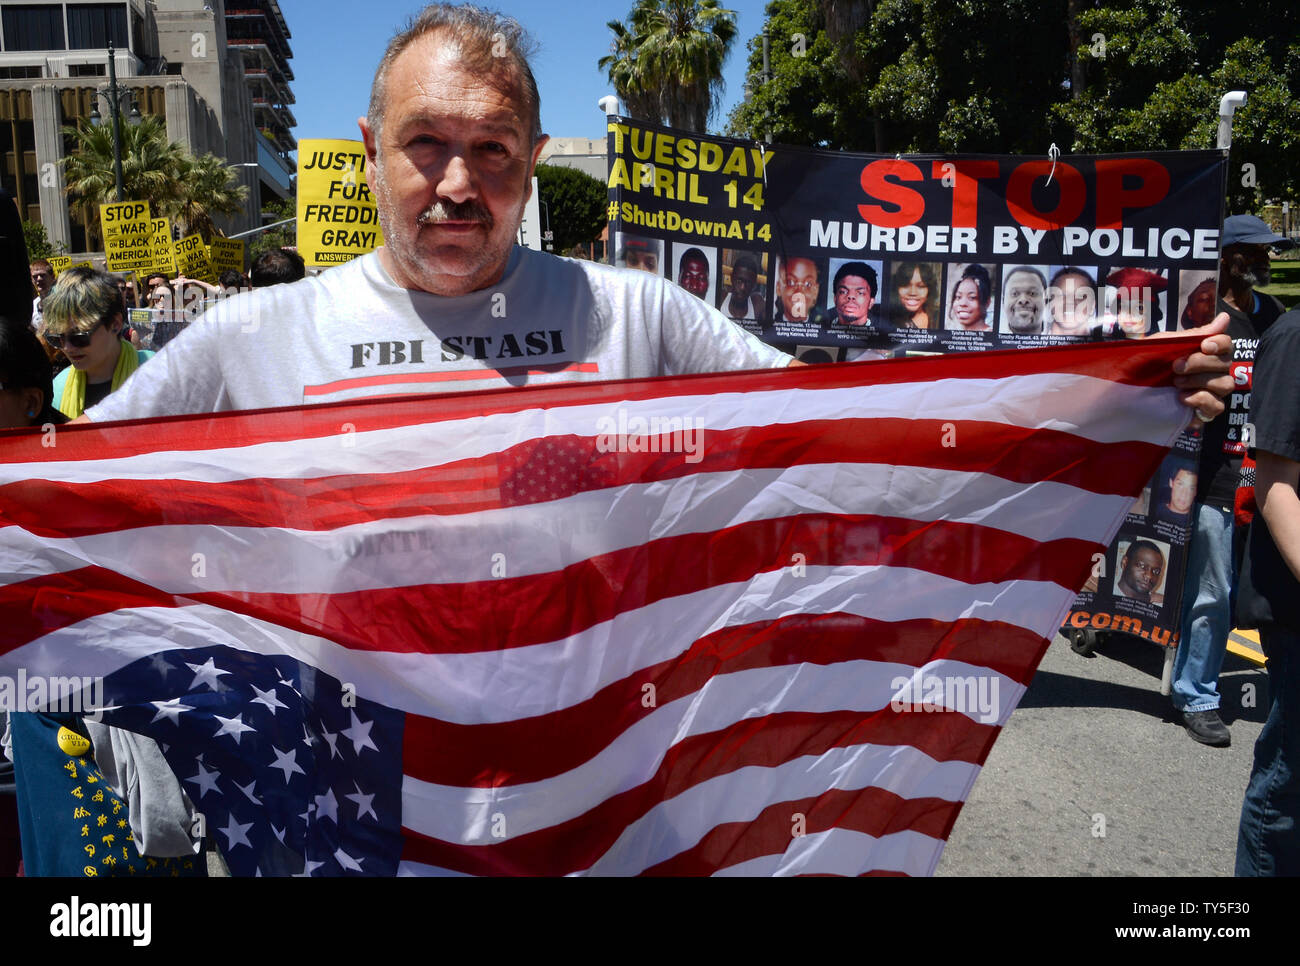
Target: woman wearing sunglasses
x=84 y=317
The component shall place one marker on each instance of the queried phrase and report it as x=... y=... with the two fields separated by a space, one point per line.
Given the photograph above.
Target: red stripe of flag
x=499 y=479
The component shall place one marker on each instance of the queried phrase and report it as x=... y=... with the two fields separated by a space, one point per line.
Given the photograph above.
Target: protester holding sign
x=84 y=317
x=1211 y=569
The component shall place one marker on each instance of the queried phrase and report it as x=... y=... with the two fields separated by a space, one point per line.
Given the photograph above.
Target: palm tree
x=210 y=189
x=625 y=74
x=666 y=64
x=151 y=166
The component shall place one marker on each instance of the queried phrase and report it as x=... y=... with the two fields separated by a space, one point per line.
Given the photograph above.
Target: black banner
x=839 y=257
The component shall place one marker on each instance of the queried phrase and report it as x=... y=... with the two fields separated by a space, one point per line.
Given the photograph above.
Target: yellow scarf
x=73 y=401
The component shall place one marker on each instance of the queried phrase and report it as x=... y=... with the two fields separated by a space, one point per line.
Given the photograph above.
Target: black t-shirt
x=1222 y=443
x=1269 y=592
x=96 y=392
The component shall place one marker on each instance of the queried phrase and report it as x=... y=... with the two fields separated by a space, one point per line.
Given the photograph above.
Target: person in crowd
x=1267 y=843
x=1216 y=541
x=1071 y=302
x=232 y=281
x=1141 y=570
x=84 y=318
x=798 y=291
x=1024 y=297
x=42 y=275
x=276 y=266
x=854 y=288
x=969 y=308
x=741 y=301
x=693 y=273
x=916 y=296
x=641 y=254
x=25 y=393
x=126 y=286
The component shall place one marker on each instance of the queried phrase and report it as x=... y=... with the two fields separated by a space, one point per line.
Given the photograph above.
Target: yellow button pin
x=71 y=743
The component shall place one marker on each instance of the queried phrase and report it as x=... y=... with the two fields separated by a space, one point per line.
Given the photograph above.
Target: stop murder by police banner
x=839 y=257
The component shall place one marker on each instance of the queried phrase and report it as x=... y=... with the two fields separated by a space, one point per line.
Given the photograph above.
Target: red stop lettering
x=908 y=200
x=965 y=186
x=1113 y=198
x=1020 y=199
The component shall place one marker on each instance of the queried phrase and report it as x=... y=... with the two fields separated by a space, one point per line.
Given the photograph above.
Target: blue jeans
x=1267 y=839
x=1207 y=611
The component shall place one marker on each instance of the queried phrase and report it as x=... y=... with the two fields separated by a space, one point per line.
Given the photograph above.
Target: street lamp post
x=115 y=95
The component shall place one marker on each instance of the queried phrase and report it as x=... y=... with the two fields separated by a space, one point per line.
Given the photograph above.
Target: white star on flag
x=359 y=734
x=287 y=762
x=206 y=673
x=171 y=710
x=232 y=726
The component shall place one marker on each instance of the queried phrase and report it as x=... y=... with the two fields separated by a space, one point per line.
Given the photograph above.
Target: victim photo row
x=802 y=298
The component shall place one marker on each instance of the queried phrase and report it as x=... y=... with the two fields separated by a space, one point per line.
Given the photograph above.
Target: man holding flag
x=452 y=136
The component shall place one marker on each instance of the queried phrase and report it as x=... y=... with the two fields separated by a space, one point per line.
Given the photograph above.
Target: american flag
x=551 y=631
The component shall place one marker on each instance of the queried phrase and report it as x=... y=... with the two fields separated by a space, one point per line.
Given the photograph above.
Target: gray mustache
x=441 y=211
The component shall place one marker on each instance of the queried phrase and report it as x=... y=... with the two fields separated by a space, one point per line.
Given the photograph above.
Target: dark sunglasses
x=78 y=340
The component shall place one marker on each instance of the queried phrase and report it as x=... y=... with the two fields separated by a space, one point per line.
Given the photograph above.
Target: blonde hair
x=81 y=299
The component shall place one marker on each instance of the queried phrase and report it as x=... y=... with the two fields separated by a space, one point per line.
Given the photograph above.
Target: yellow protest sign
x=140 y=246
x=337 y=220
x=192 y=259
x=226 y=254
x=113 y=215
x=59 y=263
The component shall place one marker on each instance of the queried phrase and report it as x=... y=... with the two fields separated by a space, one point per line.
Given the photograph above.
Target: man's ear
x=532 y=167
x=372 y=150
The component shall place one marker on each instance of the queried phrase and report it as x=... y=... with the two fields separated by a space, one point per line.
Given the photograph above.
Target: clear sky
x=336 y=46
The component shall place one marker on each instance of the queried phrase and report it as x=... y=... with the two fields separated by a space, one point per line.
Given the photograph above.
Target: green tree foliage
x=38 y=242
x=154 y=169
x=1013 y=76
x=210 y=188
x=666 y=62
x=285 y=236
x=576 y=202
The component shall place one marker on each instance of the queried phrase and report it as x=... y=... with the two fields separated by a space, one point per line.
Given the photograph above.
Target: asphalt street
x=1094 y=774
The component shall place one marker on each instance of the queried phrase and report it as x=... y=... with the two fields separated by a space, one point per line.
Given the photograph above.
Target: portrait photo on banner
x=743 y=285
x=1135 y=299
x=1071 y=300
x=1024 y=299
x=1198 y=296
x=971 y=297
x=1141 y=570
x=640 y=252
x=695 y=269
x=913 y=293
x=855 y=291
x=802 y=290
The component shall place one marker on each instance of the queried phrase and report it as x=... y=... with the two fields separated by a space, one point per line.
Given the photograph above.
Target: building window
x=38 y=27
x=86 y=70
x=21 y=72
x=92 y=25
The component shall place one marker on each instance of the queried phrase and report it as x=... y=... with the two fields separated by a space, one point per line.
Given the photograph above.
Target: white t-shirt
x=353 y=332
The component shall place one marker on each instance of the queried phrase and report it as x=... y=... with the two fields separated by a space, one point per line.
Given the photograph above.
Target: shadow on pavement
x=1051 y=689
